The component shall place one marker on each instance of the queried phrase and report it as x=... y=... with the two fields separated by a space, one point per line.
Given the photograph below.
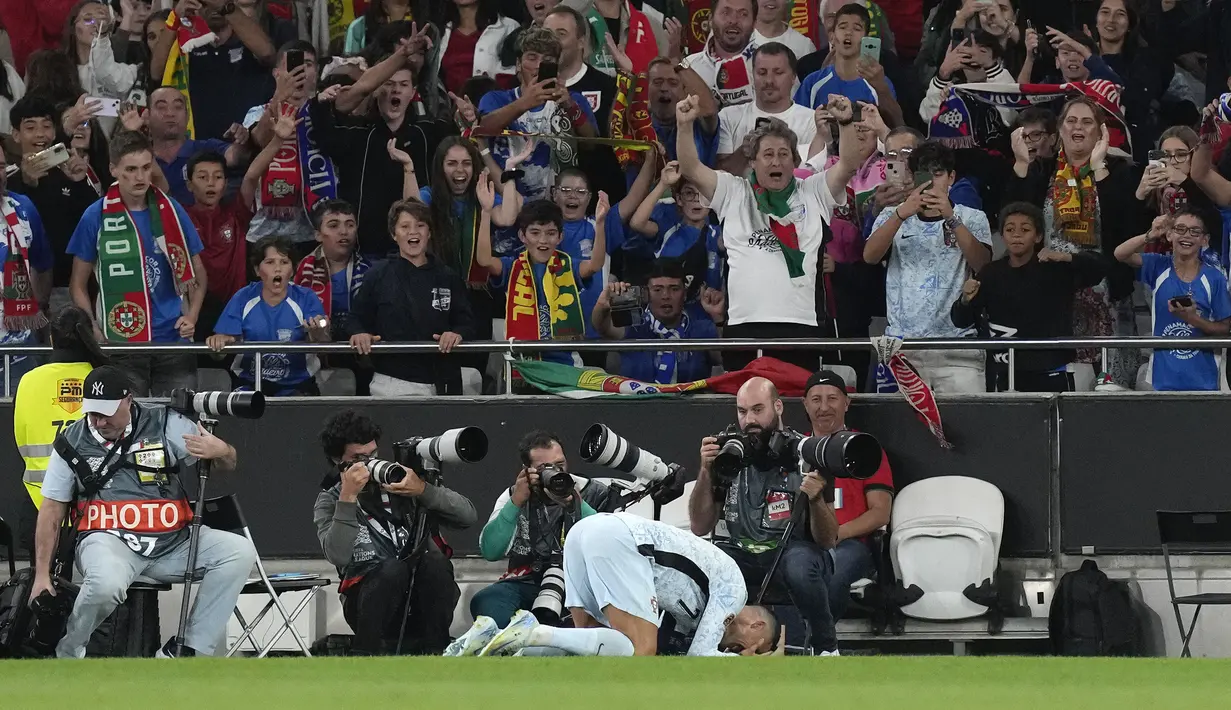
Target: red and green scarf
x=124 y=290
x=466 y=227
x=776 y=206
x=21 y=311
x=521 y=309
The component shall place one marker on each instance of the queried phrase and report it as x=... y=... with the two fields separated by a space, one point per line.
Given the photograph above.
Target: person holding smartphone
x=856 y=72
x=541 y=105
x=931 y=245
x=1167 y=185
x=1189 y=298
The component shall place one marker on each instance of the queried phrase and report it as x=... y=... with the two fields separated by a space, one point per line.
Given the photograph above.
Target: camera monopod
x=420 y=539
x=797 y=514
x=194 y=537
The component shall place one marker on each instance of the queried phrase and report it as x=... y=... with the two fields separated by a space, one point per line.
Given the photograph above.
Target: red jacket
x=33 y=25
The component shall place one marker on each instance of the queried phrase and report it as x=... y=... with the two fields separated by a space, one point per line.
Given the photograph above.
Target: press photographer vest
x=758 y=507
x=148 y=511
x=380 y=538
x=540 y=533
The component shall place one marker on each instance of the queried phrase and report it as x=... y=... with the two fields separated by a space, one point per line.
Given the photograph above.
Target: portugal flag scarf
x=521 y=309
x=315 y=273
x=124 y=289
x=776 y=206
x=21 y=311
x=300 y=174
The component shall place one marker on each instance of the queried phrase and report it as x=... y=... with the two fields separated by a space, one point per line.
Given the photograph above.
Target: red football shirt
x=850 y=499
x=224 y=233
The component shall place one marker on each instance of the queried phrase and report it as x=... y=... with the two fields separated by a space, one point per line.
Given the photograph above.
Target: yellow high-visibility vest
x=48 y=399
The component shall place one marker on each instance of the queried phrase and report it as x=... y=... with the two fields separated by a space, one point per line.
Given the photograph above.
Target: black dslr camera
x=736 y=448
x=843 y=454
x=555 y=480
x=628 y=308
x=424 y=455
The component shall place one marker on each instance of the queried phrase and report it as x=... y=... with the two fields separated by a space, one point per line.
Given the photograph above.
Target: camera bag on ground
x=32 y=631
x=1092 y=615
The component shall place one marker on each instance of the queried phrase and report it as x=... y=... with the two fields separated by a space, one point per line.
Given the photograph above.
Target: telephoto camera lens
x=461 y=445
x=245 y=405
x=600 y=445
x=385 y=472
x=843 y=454
x=548 y=606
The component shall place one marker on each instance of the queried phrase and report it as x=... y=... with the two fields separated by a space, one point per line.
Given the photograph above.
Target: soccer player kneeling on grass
x=624 y=576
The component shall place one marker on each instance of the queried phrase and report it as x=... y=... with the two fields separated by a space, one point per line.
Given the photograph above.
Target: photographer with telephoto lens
x=747 y=488
x=365 y=518
x=529 y=525
x=121 y=465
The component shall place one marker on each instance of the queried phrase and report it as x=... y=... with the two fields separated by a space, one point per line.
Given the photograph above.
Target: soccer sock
x=583 y=642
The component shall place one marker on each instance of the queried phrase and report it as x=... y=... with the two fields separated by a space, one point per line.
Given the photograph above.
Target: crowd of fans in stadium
x=491 y=169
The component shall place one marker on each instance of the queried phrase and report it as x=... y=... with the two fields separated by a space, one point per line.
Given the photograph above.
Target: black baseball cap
x=105 y=388
x=825 y=377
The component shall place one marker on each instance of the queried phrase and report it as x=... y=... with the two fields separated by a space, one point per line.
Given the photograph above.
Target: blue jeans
x=806 y=571
x=852 y=561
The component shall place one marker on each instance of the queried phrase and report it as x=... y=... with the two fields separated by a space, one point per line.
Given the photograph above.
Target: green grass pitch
x=914 y=683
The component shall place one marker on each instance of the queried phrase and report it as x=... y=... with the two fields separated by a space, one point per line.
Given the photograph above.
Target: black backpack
x=1092 y=615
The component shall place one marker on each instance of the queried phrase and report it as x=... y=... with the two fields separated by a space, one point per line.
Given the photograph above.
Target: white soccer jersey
x=699 y=585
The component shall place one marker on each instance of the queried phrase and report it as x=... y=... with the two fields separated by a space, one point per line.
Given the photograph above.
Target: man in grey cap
x=861 y=506
x=120 y=464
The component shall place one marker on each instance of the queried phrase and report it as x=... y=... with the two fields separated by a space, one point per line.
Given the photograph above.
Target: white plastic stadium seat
x=946 y=537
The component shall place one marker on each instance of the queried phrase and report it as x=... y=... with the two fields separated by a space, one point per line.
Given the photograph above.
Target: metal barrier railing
x=527 y=347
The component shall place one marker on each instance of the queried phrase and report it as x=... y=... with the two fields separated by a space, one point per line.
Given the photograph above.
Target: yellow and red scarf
x=521 y=310
x=1075 y=202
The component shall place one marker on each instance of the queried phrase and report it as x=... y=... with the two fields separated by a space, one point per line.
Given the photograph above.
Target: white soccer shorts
x=603 y=567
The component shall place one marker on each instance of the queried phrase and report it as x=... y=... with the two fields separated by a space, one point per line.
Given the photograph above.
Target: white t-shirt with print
x=925 y=274
x=796 y=42
x=707 y=66
x=735 y=122
x=759 y=286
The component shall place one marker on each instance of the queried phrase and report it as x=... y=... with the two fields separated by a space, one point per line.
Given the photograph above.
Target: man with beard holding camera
x=366 y=531
x=528 y=525
x=756 y=504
